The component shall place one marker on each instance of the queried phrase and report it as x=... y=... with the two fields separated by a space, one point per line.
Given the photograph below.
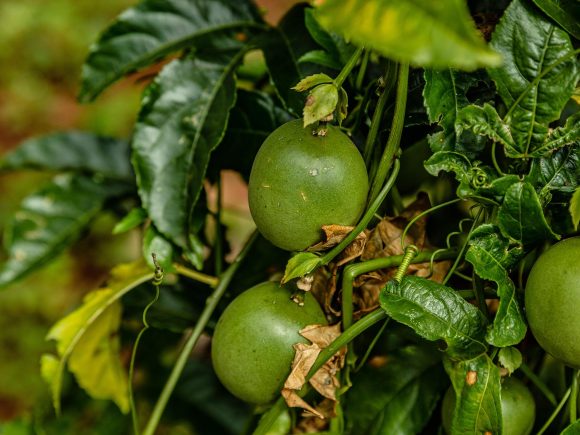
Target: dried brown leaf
x=333 y=235
x=321 y=335
x=304 y=359
x=312 y=424
x=293 y=400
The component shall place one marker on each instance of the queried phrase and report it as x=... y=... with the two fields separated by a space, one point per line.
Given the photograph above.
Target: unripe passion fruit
x=300 y=182
x=552 y=301
x=252 y=349
x=518 y=408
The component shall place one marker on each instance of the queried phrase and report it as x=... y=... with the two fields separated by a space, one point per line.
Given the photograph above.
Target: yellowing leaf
x=87 y=340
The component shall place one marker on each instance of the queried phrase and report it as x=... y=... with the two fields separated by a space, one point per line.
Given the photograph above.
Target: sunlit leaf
x=153 y=29
x=50 y=220
x=510 y=358
x=320 y=104
x=432 y=34
x=76 y=151
x=87 y=341
x=301 y=264
x=538 y=75
x=564 y=12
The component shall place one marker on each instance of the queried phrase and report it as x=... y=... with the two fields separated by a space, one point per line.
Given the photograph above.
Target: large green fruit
x=252 y=349
x=300 y=182
x=518 y=408
x=552 y=301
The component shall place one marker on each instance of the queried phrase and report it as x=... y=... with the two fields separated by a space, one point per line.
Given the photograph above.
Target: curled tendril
x=447 y=244
x=478 y=177
x=158 y=274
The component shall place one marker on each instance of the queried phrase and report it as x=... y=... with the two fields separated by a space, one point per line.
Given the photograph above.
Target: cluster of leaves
x=503 y=132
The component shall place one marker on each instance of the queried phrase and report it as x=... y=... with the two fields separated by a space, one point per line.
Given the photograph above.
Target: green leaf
x=312 y=81
x=183 y=118
x=319 y=57
x=564 y=12
x=282 y=47
x=252 y=119
x=301 y=264
x=485 y=121
x=492 y=256
x=538 y=75
x=50 y=220
x=476 y=383
x=153 y=29
x=73 y=150
x=561 y=136
x=88 y=341
x=521 y=217
x=497 y=188
x=573 y=429
x=431 y=34
x=436 y=312
x=575 y=208
x=510 y=358
x=335 y=47
x=398 y=397
x=444 y=95
x=558 y=171
x=155 y=243
x=320 y=104
x=450 y=161
x=132 y=220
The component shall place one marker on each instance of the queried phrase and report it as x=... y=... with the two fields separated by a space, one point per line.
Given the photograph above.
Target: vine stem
x=339 y=80
x=369 y=214
x=540 y=385
x=556 y=412
x=574 y=396
x=212 y=281
x=211 y=304
x=395 y=134
x=218 y=249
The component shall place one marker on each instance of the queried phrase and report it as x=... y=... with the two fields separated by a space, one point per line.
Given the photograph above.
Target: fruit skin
x=252 y=349
x=518 y=408
x=300 y=182
x=552 y=301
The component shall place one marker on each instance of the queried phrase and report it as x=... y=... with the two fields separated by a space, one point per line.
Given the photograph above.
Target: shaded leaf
x=50 y=220
x=450 y=161
x=155 y=243
x=182 y=119
x=521 y=217
x=436 y=312
x=153 y=29
x=87 y=340
x=320 y=103
x=432 y=34
x=320 y=57
x=132 y=220
x=564 y=12
x=573 y=429
x=538 y=75
x=510 y=358
x=334 y=45
x=558 y=171
x=301 y=264
x=476 y=383
x=397 y=397
x=492 y=257
x=497 y=188
x=282 y=47
x=575 y=208
x=73 y=150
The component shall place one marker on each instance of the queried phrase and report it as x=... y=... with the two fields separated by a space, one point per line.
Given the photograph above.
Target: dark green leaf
x=538 y=75
x=320 y=57
x=485 y=121
x=497 y=188
x=398 y=397
x=183 y=118
x=510 y=358
x=573 y=429
x=153 y=29
x=559 y=171
x=436 y=312
x=521 y=218
x=301 y=264
x=73 y=150
x=155 y=244
x=564 y=12
x=252 y=119
x=450 y=161
x=444 y=95
x=282 y=47
x=476 y=383
x=50 y=220
x=434 y=34
x=561 y=136
x=492 y=257
x=132 y=220
x=334 y=45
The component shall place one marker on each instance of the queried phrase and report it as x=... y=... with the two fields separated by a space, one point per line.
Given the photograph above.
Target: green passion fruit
x=301 y=181
x=252 y=349
x=552 y=300
x=518 y=408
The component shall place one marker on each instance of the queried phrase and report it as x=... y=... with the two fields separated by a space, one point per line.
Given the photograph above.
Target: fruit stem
x=339 y=80
x=362 y=70
x=396 y=132
x=556 y=412
x=329 y=256
x=574 y=397
x=211 y=304
x=540 y=385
